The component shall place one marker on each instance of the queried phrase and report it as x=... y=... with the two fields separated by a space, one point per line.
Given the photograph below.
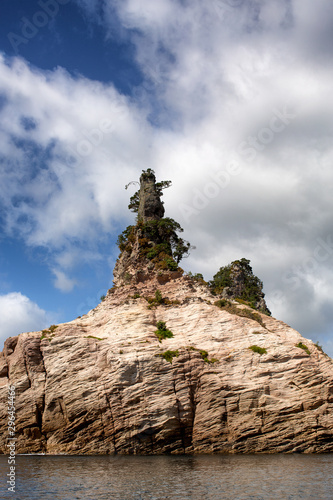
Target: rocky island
x=168 y=363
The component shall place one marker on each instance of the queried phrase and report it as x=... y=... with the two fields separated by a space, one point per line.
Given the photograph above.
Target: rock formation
x=237 y=281
x=164 y=366
x=150 y=204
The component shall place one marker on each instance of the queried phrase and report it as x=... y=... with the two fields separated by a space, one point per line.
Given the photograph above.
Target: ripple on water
x=201 y=477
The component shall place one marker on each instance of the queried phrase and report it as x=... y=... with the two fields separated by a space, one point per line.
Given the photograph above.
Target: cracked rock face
x=151 y=207
x=100 y=384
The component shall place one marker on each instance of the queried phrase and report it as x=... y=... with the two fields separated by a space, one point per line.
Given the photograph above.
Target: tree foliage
x=163 y=233
x=158 y=239
x=239 y=275
x=135 y=199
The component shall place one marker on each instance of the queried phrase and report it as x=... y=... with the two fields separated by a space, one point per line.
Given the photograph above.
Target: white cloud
x=19 y=314
x=63 y=282
x=216 y=76
x=56 y=198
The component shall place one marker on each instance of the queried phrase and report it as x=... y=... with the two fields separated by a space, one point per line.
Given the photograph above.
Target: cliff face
x=101 y=384
x=164 y=366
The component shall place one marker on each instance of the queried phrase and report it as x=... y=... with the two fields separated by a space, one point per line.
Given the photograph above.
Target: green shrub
x=259 y=350
x=171 y=264
x=319 y=347
x=223 y=303
x=126 y=236
x=92 y=337
x=49 y=332
x=196 y=277
x=169 y=355
x=102 y=298
x=136 y=296
x=159 y=300
x=155 y=301
x=233 y=309
x=162 y=331
x=304 y=347
x=204 y=354
x=239 y=274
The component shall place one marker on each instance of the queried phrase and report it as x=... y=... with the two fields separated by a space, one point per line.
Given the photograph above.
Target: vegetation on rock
x=154 y=238
x=147 y=175
x=162 y=331
x=304 y=347
x=196 y=277
x=49 y=333
x=169 y=355
x=319 y=347
x=159 y=300
x=244 y=312
x=154 y=244
x=259 y=350
x=237 y=281
x=204 y=355
x=92 y=337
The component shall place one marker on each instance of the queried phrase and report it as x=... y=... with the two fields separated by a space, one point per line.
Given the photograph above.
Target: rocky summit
x=167 y=363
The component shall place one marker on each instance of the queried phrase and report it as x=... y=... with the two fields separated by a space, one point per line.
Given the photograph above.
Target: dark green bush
x=49 y=333
x=204 y=355
x=319 y=347
x=171 y=264
x=304 y=347
x=259 y=350
x=239 y=274
x=162 y=331
x=169 y=355
x=233 y=309
x=223 y=303
x=126 y=236
x=196 y=277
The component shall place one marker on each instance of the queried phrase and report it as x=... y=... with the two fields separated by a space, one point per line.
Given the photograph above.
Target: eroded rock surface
x=150 y=207
x=99 y=384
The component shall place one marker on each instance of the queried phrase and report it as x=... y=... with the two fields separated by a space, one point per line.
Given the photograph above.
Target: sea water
x=199 y=477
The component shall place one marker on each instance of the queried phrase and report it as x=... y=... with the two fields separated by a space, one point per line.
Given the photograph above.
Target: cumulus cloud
x=68 y=162
x=19 y=314
x=63 y=282
x=235 y=107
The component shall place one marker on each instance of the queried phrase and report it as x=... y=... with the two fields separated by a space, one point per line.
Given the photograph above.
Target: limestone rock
x=150 y=207
x=100 y=384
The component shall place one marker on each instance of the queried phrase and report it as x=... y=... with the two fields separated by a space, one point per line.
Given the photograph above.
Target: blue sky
x=230 y=99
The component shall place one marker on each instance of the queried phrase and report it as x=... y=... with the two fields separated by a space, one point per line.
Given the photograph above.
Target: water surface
x=217 y=477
